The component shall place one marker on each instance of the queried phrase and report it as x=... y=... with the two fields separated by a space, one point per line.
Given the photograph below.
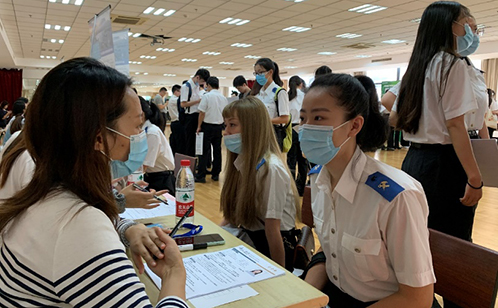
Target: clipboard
x=486 y=154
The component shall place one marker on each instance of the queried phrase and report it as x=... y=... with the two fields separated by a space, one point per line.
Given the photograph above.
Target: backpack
x=286 y=130
x=181 y=110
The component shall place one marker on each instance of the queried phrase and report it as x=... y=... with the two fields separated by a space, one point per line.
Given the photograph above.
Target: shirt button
x=335 y=277
x=332 y=230
x=334 y=255
x=357 y=250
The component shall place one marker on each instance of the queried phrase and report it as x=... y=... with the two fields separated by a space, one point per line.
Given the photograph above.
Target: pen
x=188 y=247
x=145 y=190
x=180 y=222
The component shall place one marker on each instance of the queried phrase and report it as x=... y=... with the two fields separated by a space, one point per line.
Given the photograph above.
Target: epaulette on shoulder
x=384 y=185
x=315 y=170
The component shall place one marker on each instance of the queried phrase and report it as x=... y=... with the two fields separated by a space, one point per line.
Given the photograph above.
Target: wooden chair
x=179 y=157
x=306 y=213
x=466 y=273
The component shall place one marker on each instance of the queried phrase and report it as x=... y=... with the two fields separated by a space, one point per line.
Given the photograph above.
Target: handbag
x=304 y=249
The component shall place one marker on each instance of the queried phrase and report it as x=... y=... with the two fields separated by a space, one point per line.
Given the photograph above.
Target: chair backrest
x=179 y=157
x=306 y=213
x=466 y=273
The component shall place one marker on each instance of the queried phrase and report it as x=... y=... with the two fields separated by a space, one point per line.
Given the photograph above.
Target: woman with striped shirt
x=60 y=247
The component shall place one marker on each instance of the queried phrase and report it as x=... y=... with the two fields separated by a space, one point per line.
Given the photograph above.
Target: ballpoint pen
x=145 y=190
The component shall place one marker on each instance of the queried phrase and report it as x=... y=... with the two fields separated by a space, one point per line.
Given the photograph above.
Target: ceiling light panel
x=149 y=10
x=296 y=29
x=327 y=53
x=169 y=75
x=189 y=40
x=348 y=35
x=234 y=21
x=227 y=63
x=287 y=49
x=241 y=45
x=367 y=9
x=189 y=60
x=165 y=49
x=205 y=67
x=74 y=2
x=393 y=41
x=169 y=13
x=363 y=56
x=252 y=57
x=211 y=53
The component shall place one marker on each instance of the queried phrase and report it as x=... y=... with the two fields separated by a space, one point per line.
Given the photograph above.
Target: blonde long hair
x=241 y=196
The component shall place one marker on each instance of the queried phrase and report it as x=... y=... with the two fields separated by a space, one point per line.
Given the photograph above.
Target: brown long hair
x=72 y=105
x=241 y=195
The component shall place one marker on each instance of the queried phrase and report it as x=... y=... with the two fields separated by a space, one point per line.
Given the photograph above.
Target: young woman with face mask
x=272 y=95
x=442 y=100
x=60 y=247
x=370 y=218
x=260 y=194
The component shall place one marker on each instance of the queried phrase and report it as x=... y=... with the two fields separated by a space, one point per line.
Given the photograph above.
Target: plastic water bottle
x=184 y=192
x=137 y=175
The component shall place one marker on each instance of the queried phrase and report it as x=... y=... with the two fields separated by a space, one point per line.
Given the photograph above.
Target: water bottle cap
x=185 y=163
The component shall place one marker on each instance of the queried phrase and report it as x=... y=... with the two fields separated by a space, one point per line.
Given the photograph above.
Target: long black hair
x=355 y=100
x=435 y=34
x=294 y=82
x=153 y=114
x=268 y=64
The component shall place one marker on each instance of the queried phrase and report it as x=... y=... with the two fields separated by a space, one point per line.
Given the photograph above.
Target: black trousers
x=212 y=137
x=177 y=139
x=190 y=132
x=294 y=156
x=280 y=135
x=290 y=240
x=161 y=180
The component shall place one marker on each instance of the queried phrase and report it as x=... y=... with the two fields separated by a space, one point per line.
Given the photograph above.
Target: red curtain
x=250 y=83
x=10 y=85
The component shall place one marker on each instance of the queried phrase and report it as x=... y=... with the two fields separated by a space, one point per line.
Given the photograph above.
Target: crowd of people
x=61 y=185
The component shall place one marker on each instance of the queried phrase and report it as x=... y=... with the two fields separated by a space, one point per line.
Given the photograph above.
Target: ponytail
x=276 y=75
x=294 y=82
x=153 y=114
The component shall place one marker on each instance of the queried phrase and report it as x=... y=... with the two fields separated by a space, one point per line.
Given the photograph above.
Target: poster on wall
x=102 y=44
x=121 y=51
x=386 y=85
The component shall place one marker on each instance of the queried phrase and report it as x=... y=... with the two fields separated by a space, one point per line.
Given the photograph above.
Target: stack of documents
x=161 y=210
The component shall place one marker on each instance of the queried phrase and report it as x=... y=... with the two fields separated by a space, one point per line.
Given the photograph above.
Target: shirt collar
x=238 y=163
x=346 y=187
x=269 y=90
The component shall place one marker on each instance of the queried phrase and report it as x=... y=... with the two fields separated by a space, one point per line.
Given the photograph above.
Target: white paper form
x=199 y=141
x=161 y=210
x=223 y=297
x=221 y=270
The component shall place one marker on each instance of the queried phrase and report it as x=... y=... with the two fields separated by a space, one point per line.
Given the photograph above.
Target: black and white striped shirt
x=55 y=256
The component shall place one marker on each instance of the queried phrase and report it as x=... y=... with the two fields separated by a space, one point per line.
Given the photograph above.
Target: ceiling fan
x=156 y=39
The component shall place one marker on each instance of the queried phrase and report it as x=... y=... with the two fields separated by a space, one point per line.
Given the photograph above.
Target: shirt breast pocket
x=363 y=258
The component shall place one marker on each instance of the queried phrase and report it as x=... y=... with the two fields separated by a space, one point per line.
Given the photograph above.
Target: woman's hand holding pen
x=140 y=199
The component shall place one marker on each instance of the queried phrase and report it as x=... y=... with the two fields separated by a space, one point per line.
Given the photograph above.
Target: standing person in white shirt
x=491 y=120
x=190 y=99
x=370 y=218
x=159 y=163
x=177 y=136
x=436 y=94
x=273 y=96
x=67 y=212
x=211 y=124
x=161 y=103
x=295 y=155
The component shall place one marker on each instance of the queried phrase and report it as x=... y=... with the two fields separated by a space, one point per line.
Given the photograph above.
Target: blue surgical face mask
x=464 y=42
x=316 y=143
x=261 y=79
x=138 y=152
x=233 y=143
x=472 y=48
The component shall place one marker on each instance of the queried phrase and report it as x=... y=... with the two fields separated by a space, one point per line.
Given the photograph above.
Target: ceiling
x=24 y=26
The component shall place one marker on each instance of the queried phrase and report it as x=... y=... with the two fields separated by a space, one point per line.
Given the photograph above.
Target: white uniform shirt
x=395 y=90
x=195 y=96
x=457 y=99
x=268 y=98
x=159 y=154
x=21 y=172
x=159 y=100
x=277 y=193
x=295 y=106
x=61 y=253
x=212 y=103
x=475 y=118
x=173 y=108
x=372 y=244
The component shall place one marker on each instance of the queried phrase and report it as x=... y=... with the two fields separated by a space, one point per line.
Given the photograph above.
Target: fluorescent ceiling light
x=226 y=63
x=147 y=57
x=54 y=57
x=363 y=56
x=142 y=56
x=327 y=53
x=169 y=75
x=78 y=2
x=296 y=29
x=243 y=45
x=148 y=10
x=242 y=22
x=67 y=28
x=252 y=57
x=225 y=20
x=137 y=34
x=153 y=57
x=137 y=73
x=205 y=67
x=196 y=40
x=159 y=11
x=65 y=1
x=169 y=13
x=43 y=57
x=182 y=39
x=57 y=27
x=348 y=35
x=61 y=41
x=53 y=40
x=130 y=33
x=146 y=73
x=53 y=1
x=367 y=9
x=159 y=49
x=393 y=41
x=189 y=60
x=211 y=53
x=287 y=49
x=171 y=50
x=290 y=67
x=234 y=21
x=416 y=20
x=47 y=26
x=189 y=40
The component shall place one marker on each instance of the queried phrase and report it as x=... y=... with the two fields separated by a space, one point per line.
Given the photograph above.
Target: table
x=283 y=291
